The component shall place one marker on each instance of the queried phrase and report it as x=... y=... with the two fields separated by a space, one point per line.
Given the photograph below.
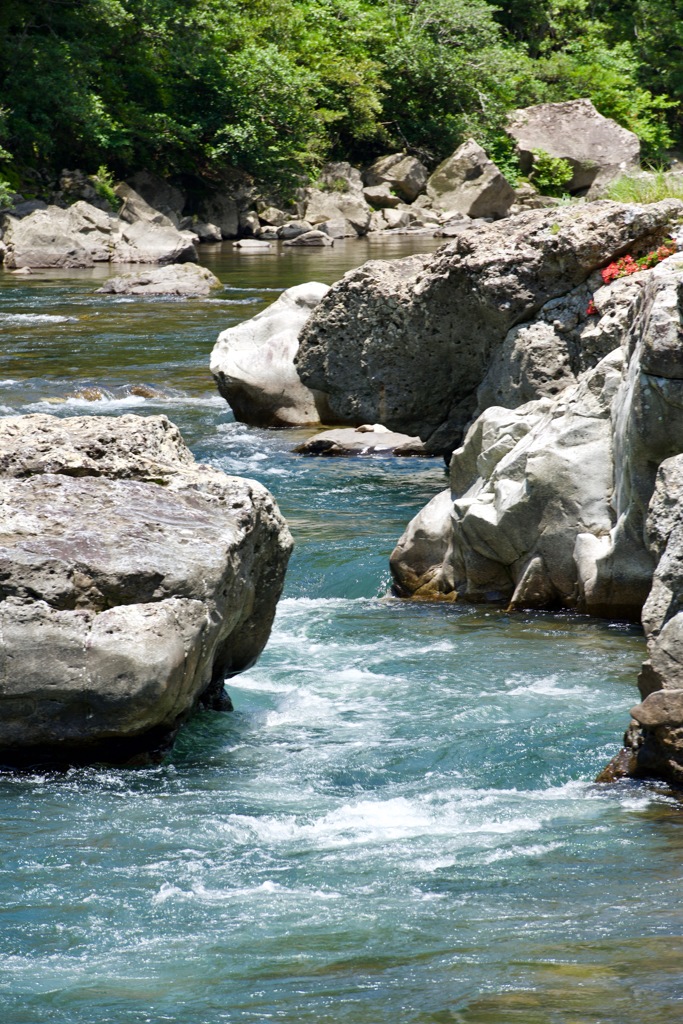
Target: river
x=397 y=824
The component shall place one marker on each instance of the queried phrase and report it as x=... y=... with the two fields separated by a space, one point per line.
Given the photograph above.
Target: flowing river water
x=398 y=823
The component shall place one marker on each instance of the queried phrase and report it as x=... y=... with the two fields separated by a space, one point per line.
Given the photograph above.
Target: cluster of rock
x=563 y=397
x=396 y=193
x=497 y=316
x=133 y=582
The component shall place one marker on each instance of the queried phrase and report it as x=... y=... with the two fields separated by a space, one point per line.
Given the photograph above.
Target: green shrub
x=645 y=188
x=103 y=183
x=550 y=174
x=6 y=193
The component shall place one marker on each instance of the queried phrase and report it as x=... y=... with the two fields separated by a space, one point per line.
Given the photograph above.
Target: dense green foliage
x=274 y=87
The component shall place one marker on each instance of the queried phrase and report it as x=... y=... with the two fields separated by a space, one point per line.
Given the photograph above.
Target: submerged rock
x=133 y=582
x=253 y=363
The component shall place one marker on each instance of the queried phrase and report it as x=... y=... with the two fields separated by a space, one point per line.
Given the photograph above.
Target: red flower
x=590 y=309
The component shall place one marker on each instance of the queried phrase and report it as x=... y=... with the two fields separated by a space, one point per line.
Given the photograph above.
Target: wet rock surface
x=368 y=439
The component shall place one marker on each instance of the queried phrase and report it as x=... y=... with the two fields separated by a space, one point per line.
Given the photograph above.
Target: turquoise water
x=397 y=824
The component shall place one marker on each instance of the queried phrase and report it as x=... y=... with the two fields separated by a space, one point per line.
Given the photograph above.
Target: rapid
x=398 y=823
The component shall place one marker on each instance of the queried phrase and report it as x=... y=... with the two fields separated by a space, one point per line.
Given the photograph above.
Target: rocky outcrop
x=224 y=212
x=181 y=280
x=468 y=182
x=253 y=363
x=548 y=501
x=409 y=343
x=133 y=582
x=82 y=235
x=159 y=194
x=597 y=148
x=351 y=207
x=368 y=439
x=404 y=175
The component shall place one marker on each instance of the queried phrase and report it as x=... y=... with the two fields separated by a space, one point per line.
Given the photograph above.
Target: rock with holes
x=408 y=343
x=132 y=583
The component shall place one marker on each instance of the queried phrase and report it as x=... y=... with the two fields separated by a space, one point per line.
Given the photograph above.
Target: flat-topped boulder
x=368 y=439
x=180 y=280
x=133 y=582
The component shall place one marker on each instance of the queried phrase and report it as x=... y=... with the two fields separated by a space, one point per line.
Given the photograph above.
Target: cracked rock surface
x=133 y=581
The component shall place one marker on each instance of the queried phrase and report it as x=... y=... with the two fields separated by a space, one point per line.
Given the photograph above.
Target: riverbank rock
x=548 y=501
x=224 y=212
x=182 y=280
x=403 y=175
x=597 y=148
x=350 y=206
x=408 y=343
x=44 y=239
x=469 y=183
x=253 y=363
x=134 y=208
x=151 y=243
x=82 y=235
x=159 y=194
x=368 y=439
x=133 y=582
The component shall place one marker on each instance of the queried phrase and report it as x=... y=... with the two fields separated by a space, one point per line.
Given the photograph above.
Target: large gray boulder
x=133 y=582
x=654 y=739
x=151 y=243
x=159 y=194
x=134 y=208
x=180 y=280
x=340 y=176
x=405 y=175
x=224 y=212
x=319 y=206
x=45 y=239
x=408 y=343
x=548 y=501
x=469 y=183
x=253 y=363
x=82 y=234
x=597 y=148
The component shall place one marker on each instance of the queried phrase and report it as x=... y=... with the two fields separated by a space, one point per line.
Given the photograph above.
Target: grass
x=647 y=188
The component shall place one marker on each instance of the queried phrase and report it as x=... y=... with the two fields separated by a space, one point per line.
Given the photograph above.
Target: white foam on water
x=8 y=383
x=27 y=319
x=548 y=686
x=534 y=850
